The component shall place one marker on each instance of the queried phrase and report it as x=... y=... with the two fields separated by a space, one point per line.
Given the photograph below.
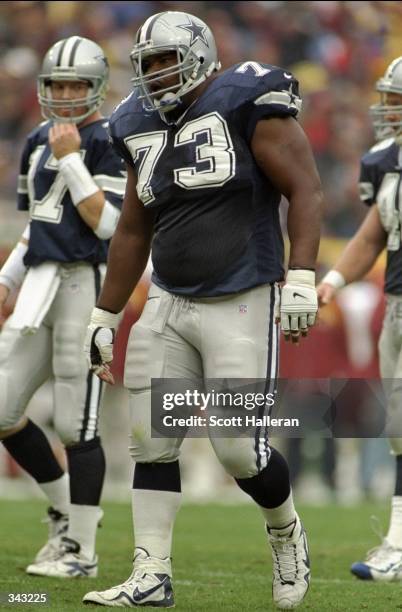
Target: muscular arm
x=129 y=250
x=363 y=249
x=282 y=151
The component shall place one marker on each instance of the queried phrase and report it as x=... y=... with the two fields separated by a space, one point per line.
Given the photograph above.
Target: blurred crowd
x=336 y=49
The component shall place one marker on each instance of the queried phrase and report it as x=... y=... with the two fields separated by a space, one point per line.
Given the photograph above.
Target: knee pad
x=68 y=355
x=237 y=456
x=144 y=449
x=12 y=406
x=69 y=400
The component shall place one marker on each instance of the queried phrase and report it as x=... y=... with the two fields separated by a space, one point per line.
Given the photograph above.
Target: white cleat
x=382 y=564
x=149 y=585
x=291 y=564
x=69 y=563
x=58 y=527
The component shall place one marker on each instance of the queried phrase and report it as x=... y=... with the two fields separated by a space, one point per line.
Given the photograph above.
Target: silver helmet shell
x=384 y=115
x=73 y=59
x=192 y=41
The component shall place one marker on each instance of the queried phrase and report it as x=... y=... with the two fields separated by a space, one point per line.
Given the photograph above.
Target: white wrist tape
x=13 y=271
x=27 y=232
x=334 y=278
x=108 y=221
x=103 y=318
x=78 y=179
x=301 y=277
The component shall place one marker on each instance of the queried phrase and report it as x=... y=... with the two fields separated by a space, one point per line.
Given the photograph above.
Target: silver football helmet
x=384 y=121
x=194 y=44
x=73 y=59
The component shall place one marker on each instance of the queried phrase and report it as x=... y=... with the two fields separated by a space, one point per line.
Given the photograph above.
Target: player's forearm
x=90 y=209
x=358 y=258
x=128 y=257
x=304 y=224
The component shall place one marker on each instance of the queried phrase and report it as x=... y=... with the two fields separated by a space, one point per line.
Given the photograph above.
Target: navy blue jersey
x=57 y=231
x=380 y=182
x=216 y=228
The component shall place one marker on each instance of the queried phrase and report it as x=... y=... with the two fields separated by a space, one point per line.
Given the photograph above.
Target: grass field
x=221 y=560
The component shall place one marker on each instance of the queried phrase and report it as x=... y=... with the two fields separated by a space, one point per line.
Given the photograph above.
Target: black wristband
x=301 y=268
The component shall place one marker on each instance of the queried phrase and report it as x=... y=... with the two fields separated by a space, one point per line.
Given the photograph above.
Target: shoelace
x=285 y=560
x=380 y=552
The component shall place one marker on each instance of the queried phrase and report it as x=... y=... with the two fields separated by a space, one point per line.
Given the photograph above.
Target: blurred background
x=337 y=50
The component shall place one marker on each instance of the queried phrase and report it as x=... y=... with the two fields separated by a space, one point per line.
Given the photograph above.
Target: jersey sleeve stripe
x=283 y=98
x=22 y=186
x=110 y=183
x=366 y=191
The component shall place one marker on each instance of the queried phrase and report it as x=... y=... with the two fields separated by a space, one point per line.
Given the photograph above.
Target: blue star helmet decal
x=197 y=32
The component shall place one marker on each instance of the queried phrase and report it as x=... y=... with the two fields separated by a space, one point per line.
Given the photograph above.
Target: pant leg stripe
x=90 y=420
x=87 y=407
x=93 y=409
x=261 y=410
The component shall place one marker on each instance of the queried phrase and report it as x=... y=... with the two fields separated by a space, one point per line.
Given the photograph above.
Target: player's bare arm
x=283 y=153
x=129 y=250
x=358 y=257
x=127 y=259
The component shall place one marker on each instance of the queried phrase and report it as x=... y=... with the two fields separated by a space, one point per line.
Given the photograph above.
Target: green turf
x=221 y=561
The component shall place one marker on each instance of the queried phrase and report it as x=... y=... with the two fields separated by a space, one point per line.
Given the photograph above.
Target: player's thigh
x=390 y=344
x=76 y=390
x=390 y=352
x=25 y=364
x=241 y=343
x=240 y=336
x=155 y=351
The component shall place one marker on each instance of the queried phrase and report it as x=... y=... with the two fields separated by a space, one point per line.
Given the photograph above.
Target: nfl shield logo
x=243 y=308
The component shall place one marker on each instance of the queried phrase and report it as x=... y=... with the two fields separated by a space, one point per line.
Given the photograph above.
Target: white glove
x=298 y=303
x=99 y=342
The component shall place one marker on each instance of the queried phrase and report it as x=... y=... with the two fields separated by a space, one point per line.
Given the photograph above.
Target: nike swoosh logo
x=300 y=295
x=140 y=595
x=287 y=75
x=153 y=297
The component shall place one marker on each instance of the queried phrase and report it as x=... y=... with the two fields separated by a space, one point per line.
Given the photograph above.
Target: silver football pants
x=55 y=350
x=229 y=337
x=390 y=349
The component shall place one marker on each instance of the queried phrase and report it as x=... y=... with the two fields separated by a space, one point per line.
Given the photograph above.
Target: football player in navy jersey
x=72 y=184
x=380 y=180
x=208 y=156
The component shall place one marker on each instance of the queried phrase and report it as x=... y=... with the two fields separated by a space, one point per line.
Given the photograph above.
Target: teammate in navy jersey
x=380 y=180
x=72 y=183
x=208 y=157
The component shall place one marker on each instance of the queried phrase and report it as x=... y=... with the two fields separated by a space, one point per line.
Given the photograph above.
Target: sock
x=30 y=448
x=86 y=463
x=156 y=500
x=271 y=487
x=282 y=515
x=394 y=535
x=82 y=527
x=58 y=493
